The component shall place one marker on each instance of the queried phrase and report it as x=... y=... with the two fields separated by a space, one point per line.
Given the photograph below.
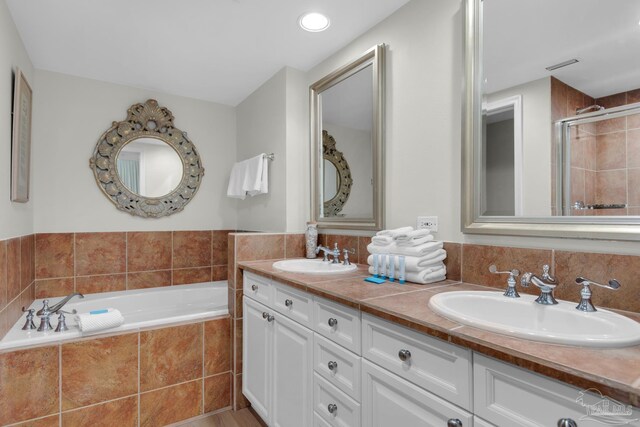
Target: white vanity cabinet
x=278 y=365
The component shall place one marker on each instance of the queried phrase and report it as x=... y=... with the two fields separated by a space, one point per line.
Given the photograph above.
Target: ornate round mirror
x=145 y=165
x=337 y=177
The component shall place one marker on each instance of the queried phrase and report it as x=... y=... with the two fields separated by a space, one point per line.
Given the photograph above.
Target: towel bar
x=270 y=156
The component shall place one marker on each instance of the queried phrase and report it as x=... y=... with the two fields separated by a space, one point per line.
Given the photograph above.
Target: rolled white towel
x=415 y=264
x=415 y=242
x=99 y=320
x=437 y=273
x=382 y=240
x=394 y=232
x=376 y=249
x=420 y=250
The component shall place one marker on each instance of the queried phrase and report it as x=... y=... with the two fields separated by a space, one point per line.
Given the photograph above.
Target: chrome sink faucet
x=546 y=284
x=511 y=291
x=325 y=250
x=585 y=293
x=335 y=252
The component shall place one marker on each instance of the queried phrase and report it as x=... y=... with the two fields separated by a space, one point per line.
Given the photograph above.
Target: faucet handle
x=29 y=320
x=612 y=284
x=546 y=275
x=585 y=293
x=493 y=269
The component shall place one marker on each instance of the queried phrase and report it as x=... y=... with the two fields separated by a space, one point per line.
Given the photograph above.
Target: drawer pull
x=332 y=365
x=567 y=422
x=265 y=314
x=454 y=422
x=270 y=318
x=254 y=288
x=332 y=322
x=332 y=408
x=288 y=303
x=405 y=355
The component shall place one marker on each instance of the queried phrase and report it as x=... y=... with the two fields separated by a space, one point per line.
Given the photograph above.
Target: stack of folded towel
x=424 y=256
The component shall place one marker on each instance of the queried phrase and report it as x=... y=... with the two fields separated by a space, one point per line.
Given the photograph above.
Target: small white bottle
x=401 y=272
x=375 y=265
x=392 y=267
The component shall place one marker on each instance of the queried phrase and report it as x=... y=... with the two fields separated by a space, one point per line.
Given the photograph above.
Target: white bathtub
x=145 y=308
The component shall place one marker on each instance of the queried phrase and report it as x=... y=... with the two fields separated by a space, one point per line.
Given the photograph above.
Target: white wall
x=536 y=143
x=70 y=114
x=16 y=219
x=261 y=128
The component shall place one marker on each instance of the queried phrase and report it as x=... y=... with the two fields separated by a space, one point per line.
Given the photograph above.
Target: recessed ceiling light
x=314 y=22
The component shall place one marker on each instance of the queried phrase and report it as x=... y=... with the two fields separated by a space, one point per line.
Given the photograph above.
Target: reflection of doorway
x=502 y=158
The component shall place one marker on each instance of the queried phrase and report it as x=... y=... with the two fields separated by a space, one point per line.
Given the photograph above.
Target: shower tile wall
x=103 y=262
x=17 y=267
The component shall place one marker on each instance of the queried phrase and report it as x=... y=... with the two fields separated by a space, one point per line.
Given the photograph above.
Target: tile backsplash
x=103 y=262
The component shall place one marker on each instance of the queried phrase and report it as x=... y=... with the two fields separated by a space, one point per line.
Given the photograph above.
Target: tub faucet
x=546 y=284
x=56 y=307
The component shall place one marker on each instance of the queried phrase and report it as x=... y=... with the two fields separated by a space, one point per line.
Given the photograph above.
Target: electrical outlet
x=430 y=222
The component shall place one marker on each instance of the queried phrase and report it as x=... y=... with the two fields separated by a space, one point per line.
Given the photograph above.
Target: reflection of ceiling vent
x=562 y=64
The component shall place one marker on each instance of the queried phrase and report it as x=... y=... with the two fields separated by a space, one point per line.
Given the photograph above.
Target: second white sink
x=523 y=318
x=313 y=266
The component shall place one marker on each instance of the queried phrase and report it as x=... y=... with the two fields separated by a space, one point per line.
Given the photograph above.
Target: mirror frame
x=147 y=120
x=618 y=228
x=374 y=57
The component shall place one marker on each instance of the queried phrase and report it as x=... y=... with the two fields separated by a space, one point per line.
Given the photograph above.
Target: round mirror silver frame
x=333 y=206
x=146 y=120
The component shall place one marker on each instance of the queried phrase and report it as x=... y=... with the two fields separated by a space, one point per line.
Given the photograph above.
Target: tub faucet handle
x=44 y=313
x=62 y=324
x=29 y=325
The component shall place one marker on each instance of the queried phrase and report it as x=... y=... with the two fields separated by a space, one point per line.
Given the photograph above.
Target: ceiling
x=216 y=50
x=521 y=38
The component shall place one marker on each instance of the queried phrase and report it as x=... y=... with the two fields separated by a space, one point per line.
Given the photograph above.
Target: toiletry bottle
x=383 y=266
x=401 y=272
x=311 y=239
x=392 y=268
x=375 y=265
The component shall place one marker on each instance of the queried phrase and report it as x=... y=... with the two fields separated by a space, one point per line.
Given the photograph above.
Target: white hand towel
x=382 y=240
x=394 y=232
x=375 y=249
x=412 y=235
x=249 y=177
x=420 y=250
x=437 y=273
x=415 y=242
x=415 y=264
x=99 y=320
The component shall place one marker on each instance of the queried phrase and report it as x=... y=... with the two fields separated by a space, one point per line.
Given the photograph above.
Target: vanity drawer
x=346 y=373
x=338 y=323
x=293 y=303
x=435 y=365
x=318 y=421
x=346 y=412
x=508 y=395
x=258 y=288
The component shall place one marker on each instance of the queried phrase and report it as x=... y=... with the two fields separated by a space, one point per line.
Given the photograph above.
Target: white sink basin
x=523 y=318
x=313 y=266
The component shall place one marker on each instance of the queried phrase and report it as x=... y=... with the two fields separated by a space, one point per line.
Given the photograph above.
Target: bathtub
x=144 y=308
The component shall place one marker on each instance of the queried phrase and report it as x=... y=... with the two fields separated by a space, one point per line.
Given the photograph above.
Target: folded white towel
x=437 y=273
x=250 y=177
x=394 y=232
x=420 y=250
x=99 y=320
x=376 y=249
x=415 y=242
x=382 y=240
x=415 y=264
x=412 y=235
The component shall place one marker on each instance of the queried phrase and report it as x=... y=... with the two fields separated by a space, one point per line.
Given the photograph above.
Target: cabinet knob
x=288 y=303
x=332 y=322
x=254 y=287
x=270 y=318
x=567 y=422
x=454 y=422
x=332 y=408
x=265 y=314
x=405 y=355
x=332 y=365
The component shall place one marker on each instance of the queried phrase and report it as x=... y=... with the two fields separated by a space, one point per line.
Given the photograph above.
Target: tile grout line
x=139 y=392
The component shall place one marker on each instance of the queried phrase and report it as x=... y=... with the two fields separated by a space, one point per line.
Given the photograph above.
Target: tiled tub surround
x=614 y=372
x=152 y=377
x=104 y=262
x=17 y=267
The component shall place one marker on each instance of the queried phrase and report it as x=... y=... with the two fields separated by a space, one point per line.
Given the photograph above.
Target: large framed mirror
x=551 y=120
x=144 y=165
x=347 y=145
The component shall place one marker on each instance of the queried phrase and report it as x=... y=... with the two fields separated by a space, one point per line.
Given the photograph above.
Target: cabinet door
x=257 y=333
x=388 y=400
x=292 y=390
